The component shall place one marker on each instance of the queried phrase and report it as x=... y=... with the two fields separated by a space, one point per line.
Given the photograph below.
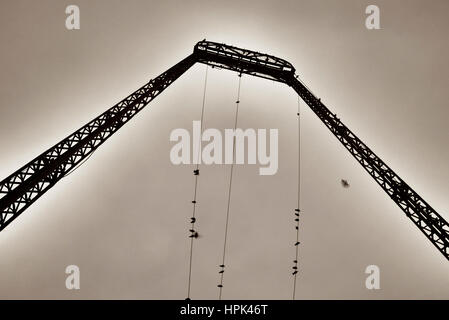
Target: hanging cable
x=196 y=173
x=222 y=265
x=297 y=210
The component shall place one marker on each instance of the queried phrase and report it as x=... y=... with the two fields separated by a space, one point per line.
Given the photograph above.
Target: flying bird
x=345 y=183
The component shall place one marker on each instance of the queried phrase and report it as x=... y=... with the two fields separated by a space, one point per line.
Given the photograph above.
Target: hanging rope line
x=222 y=265
x=297 y=210
x=196 y=173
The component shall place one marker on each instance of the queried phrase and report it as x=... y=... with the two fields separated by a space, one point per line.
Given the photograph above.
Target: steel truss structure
x=23 y=187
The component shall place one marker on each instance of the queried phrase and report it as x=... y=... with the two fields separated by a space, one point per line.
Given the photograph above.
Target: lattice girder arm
x=23 y=187
x=434 y=227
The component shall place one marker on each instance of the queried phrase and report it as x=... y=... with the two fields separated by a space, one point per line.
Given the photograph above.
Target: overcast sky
x=123 y=216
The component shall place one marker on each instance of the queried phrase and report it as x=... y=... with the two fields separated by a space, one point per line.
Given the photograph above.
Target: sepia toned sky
x=122 y=217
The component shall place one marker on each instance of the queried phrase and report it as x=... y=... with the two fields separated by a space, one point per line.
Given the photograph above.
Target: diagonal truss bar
x=26 y=185
x=434 y=227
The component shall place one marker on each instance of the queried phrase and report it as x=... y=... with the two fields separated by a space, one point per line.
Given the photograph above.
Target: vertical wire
x=220 y=286
x=295 y=273
x=196 y=172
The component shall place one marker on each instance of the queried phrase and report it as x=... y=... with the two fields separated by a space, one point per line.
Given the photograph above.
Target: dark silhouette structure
x=345 y=183
x=23 y=187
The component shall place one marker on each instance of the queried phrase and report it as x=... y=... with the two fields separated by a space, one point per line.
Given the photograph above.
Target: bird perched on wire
x=194 y=234
x=345 y=183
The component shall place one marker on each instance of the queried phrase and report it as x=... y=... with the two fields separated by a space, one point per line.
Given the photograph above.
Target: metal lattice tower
x=23 y=187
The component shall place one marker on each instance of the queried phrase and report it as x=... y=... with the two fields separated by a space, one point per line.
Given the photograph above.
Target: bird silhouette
x=345 y=183
x=194 y=235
